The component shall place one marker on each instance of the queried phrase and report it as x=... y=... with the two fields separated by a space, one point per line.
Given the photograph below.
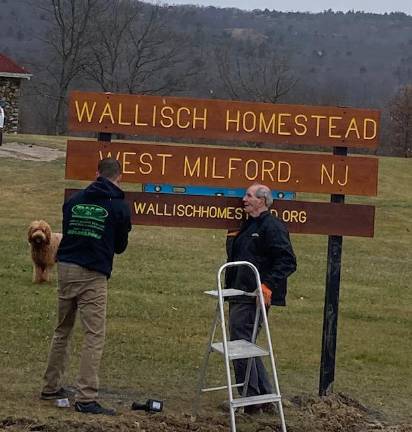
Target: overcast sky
x=375 y=6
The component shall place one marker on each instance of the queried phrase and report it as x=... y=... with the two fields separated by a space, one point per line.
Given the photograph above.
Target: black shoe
x=93 y=408
x=269 y=408
x=224 y=406
x=253 y=409
x=59 y=394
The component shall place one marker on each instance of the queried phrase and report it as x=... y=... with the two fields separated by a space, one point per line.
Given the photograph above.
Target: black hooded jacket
x=96 y=223
x=263 y=241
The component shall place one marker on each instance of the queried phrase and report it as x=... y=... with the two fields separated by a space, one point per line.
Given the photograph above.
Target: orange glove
x=267 y=294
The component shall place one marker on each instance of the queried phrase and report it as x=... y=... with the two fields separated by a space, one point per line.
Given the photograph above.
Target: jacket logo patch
x=90 y=211
x=255 y=235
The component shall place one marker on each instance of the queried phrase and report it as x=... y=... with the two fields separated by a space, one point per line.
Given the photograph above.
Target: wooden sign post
x=337 y=174
x=331 y=305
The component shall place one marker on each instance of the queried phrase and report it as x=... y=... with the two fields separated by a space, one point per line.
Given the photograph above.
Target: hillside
x=348 y=59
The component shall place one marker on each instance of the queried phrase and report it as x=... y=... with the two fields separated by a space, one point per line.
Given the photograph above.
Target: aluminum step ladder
x=239 y=349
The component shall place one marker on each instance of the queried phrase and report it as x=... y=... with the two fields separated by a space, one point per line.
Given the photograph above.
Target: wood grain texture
x=227 y=167
x=216 y=212
x=224 y=120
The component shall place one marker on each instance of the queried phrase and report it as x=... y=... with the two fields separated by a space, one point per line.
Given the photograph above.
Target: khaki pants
x=86 y=291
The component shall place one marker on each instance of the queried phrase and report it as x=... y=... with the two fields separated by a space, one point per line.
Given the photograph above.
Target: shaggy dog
x=44 y=246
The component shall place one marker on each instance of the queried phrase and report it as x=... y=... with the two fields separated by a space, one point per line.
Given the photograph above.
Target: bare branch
x=401 y=120
x=260 y=74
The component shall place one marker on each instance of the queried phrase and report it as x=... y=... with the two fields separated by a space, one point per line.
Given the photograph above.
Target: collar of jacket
x=255 y=220
x=260 y=217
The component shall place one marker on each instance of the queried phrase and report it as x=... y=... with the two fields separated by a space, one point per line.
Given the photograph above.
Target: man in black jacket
x=263 y=240
x=96 y=223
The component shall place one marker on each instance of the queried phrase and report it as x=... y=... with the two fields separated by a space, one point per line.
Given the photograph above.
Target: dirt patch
x=138 y=423
x=30 y=152
x=337 y=413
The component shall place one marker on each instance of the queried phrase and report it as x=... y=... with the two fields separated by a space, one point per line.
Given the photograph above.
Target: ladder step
x=230 y=292
x=209 y=389
x=240 y=349
x=254 y=400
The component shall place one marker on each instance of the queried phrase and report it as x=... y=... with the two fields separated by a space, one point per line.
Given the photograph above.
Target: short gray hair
x=265 y=192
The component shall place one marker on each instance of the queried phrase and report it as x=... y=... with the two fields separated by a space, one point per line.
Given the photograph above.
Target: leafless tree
x=105 y=65
x=401 y=120
x=68 y=37
x=136 y=52
x=261 y=74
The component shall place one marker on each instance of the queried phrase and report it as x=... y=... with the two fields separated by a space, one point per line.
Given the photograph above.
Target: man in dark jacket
x=263 y=240
x=96 y=223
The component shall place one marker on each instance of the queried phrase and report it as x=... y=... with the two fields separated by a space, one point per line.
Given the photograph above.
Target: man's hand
x=267 y=294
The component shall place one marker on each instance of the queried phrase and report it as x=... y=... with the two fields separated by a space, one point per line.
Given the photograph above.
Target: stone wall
x=9 y=93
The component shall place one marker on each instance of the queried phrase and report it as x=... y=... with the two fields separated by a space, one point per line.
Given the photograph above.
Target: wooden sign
x=337 y=174
x=193 y=211
x=226 y=167
x=223 y=119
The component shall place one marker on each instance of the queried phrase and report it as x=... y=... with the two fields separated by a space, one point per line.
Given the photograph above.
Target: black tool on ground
x=151 y=405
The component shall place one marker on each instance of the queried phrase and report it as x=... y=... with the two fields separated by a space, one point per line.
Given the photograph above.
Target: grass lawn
x=159 y=318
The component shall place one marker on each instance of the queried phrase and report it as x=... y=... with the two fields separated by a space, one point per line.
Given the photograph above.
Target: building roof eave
x=15 y=75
